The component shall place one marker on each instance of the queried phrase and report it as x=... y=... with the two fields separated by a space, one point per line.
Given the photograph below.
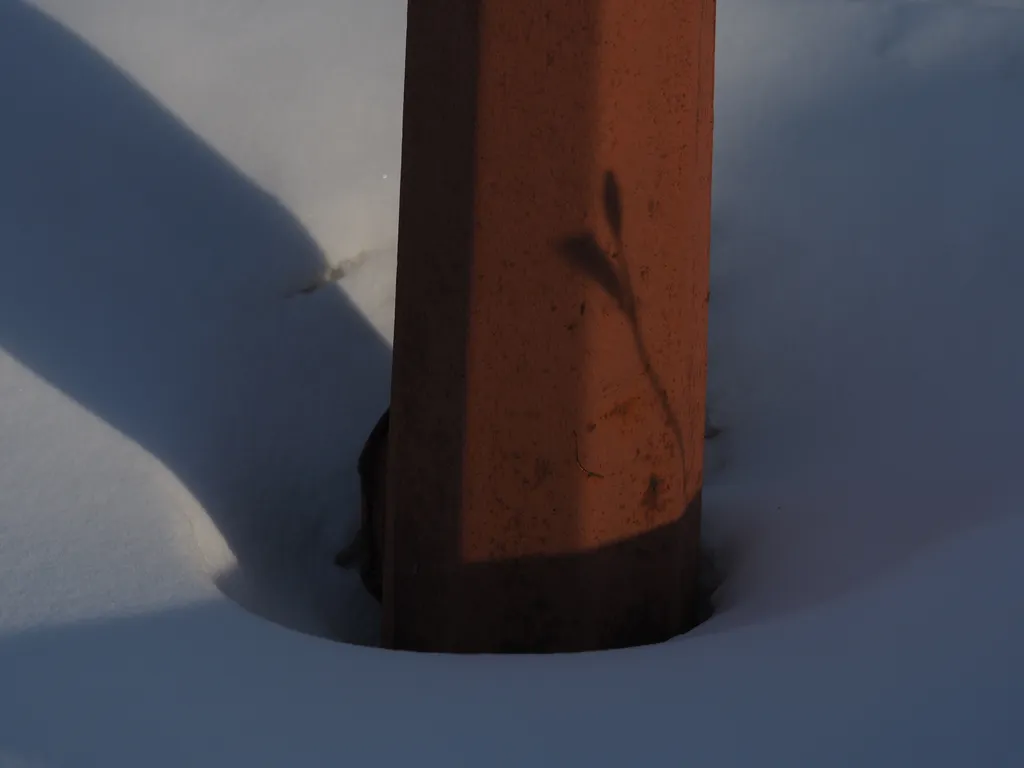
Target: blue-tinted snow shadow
x=201 y=685
x=171 y=689
x=208 y=685
x=178 y=688
x=147 y=278
x=866 y=353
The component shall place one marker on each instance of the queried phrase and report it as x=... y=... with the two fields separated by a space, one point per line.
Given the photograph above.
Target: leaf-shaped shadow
x=584 y=253
x=613 y=205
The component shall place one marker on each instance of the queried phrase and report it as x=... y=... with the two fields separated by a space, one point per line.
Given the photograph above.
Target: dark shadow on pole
x=474 y=272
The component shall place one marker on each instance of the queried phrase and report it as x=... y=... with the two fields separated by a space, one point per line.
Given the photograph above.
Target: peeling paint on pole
x=550 y=334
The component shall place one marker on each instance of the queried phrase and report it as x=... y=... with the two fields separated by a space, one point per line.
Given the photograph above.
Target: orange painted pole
x=550 y=356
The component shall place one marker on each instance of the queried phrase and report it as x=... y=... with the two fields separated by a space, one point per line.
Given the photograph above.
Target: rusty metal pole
x=550 y=355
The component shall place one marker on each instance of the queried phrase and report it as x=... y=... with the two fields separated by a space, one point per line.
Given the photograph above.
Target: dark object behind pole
x=367 y=548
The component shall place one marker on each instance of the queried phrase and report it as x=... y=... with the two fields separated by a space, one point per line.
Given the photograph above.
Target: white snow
x=178 y=430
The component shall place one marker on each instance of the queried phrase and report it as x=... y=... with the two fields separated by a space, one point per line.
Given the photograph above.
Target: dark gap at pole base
x=538 y=591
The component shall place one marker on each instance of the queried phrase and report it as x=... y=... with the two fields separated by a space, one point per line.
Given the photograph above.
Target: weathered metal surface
x=550 y=334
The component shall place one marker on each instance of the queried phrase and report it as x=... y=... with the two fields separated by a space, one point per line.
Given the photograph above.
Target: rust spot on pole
x=550 y=321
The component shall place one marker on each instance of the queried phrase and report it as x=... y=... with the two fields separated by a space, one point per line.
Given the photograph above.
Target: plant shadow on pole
x=610 y=270
x=548 y=404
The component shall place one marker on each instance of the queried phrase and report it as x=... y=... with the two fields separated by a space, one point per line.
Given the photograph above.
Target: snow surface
x=176 y=425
